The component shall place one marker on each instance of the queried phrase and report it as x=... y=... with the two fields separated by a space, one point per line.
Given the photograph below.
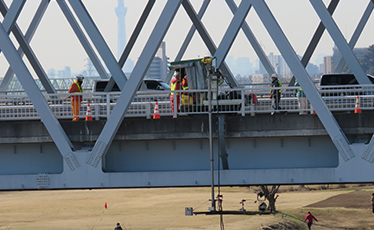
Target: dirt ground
x=357 y=199
x=164 y=208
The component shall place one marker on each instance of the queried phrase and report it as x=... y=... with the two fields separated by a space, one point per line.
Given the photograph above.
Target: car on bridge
x=337 y=82
x=146 y=85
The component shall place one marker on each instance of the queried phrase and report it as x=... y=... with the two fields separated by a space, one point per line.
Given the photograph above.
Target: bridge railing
x=243 y=101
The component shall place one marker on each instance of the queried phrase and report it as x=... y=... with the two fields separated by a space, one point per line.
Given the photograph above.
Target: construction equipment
x=198 y=73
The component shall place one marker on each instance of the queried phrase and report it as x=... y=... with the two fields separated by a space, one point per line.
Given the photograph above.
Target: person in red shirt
x=76 y=87
x=309 y=219
x=175 y=85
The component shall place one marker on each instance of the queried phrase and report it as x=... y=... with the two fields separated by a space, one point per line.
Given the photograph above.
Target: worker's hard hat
x=177 y=74
x=274 y=75
x=80 y=77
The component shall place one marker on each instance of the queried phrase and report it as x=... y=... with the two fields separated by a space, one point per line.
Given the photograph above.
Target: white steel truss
x=167 y=16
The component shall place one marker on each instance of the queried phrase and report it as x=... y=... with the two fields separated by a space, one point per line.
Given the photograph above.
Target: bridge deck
x=355 y=126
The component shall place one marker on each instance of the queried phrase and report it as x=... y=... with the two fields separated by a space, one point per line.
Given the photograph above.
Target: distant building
x=241 y=66
x=159 y=66
x=65 y=73
x=260 y=78
x=280 y=66
x=358 y=52
x=327 y=64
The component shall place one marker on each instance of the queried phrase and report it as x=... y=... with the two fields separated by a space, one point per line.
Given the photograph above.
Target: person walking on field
x=76 y=87
x=275 y=94
x=309 y=219
x=118 y=227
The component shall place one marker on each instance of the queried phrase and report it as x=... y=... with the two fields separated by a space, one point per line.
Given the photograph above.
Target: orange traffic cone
x=88 y=113
x=358 y=107
x=156 y=113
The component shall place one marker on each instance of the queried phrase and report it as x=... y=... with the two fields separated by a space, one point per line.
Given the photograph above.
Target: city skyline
x=63 y=49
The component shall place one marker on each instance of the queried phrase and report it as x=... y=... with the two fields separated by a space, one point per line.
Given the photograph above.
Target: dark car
x=147 y=85
x=341 y=79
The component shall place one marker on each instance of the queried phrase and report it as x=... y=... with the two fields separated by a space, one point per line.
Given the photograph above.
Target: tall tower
x=121 y=11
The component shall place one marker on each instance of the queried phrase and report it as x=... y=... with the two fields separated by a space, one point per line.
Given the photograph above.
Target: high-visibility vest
x=280 y=85
x=79 y=87
x=183 y=83
x=173 y=86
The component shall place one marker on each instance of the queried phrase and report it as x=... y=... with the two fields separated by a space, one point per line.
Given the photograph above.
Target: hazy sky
x=56 y=46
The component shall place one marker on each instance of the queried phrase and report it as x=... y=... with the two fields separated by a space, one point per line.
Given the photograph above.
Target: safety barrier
x=244 y=101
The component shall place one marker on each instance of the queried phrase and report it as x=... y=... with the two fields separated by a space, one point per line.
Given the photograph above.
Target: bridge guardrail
x=244 y=101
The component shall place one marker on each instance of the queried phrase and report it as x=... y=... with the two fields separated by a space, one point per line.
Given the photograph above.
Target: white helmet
x=274 y=75
x=80 y=77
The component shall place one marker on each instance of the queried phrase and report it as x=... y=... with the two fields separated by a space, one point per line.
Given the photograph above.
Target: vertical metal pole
x=211 y=138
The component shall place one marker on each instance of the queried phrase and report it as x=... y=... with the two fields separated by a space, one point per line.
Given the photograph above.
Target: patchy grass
x=164 y=208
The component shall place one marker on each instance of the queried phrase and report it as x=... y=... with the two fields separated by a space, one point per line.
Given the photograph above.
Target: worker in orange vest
x=76 y=87
x=175 y=85
x=184 y=83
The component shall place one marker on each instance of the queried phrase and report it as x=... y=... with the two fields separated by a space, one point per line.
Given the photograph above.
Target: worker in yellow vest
x=275 y=94
x=76 y=87
x=175 y=85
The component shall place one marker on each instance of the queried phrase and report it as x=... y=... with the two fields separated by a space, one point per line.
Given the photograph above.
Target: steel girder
x=28 y=36
x=150 y=49
x=189 y=36
x=207 y=39
x=99 y=42
x=356 y=34
x=29 y=53
x=340 y=41
x=128 y=92
x=48 y=118
x=83 y=40
x=326 y=117
x=132 y=40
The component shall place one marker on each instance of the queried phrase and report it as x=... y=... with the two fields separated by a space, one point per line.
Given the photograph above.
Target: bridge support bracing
x=11 y=16
x=252 y=39
x=28 y=36
x=315 y=39
x=134 y=36
x=207 y=39
x=128 y=92
x=222 y=142
x=48 y=118
x=99 y=42
x=131 y=41
x=83 y=40
x=298 y=69
x=340 y=41
x=30 y=55
x=189 y=36
x=232 y=32
x=80 y=162
x=356 y=34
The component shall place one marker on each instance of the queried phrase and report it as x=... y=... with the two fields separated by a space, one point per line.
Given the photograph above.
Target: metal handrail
x=242 y=101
